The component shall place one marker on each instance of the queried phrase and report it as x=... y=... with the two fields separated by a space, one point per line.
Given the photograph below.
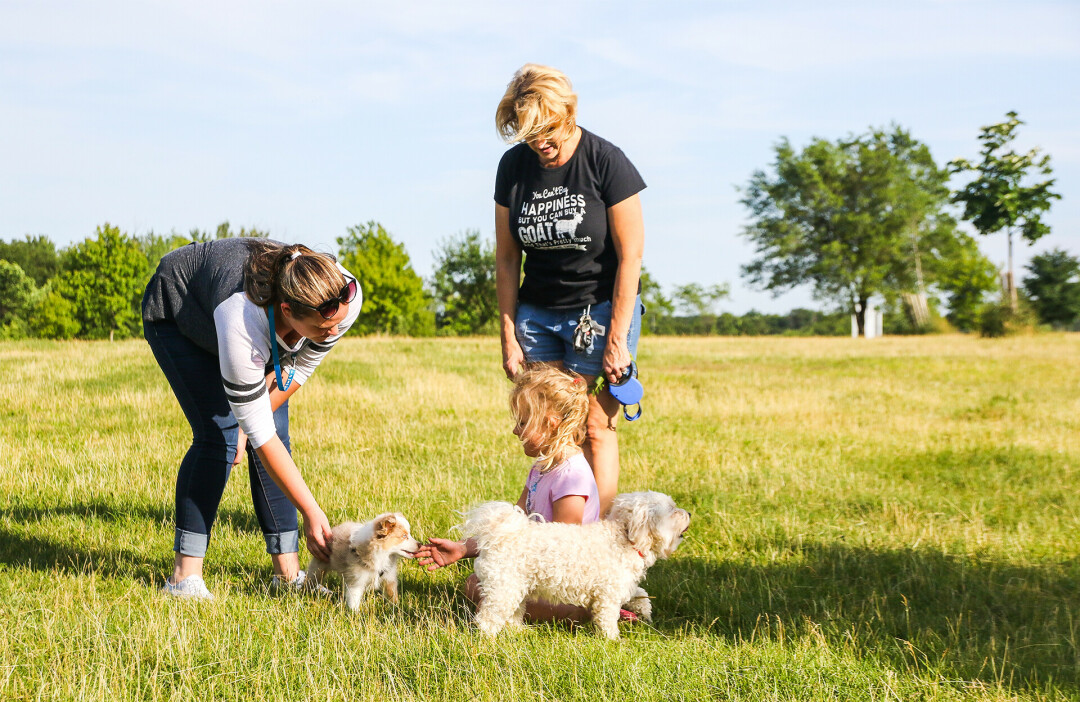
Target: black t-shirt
x=559 y=218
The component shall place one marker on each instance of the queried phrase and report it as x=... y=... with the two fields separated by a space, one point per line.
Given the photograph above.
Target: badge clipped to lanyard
x=277 y=361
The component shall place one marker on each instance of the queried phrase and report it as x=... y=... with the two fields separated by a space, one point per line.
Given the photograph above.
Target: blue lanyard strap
x=273 y=349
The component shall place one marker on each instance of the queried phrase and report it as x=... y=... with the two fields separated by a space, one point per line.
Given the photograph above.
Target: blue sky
x=306 y=118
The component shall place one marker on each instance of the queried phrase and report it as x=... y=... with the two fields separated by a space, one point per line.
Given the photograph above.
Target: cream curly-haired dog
x=366 y=555
x=597 y=565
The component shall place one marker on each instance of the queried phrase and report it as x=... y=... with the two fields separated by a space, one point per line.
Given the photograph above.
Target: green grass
x=892 y=519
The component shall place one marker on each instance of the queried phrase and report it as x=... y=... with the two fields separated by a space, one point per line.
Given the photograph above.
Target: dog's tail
x=490 y=521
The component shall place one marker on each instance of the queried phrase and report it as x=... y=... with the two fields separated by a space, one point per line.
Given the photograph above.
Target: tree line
x=93 y=289
x=870 y=216
x=861 y=218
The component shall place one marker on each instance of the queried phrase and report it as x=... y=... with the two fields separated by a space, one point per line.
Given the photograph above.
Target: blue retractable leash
x=628 y=391
x=277 y=363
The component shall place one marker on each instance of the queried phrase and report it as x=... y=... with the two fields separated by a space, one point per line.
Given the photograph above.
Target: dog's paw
x=488 y=627
x=640 y=604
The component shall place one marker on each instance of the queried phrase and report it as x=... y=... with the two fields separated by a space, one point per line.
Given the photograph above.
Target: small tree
x=224 y=231
x=394 y=298
x=104 y=278
x=463 y=285
x=997 y=199
x=155 y=246
x=1053 y=287
x=35 y=255
x=965 y=277
x=696 y=300
x=658 y=307
x=17 y=293
x=53 y=317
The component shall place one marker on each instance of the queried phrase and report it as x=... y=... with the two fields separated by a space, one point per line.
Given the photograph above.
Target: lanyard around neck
x=277 y=362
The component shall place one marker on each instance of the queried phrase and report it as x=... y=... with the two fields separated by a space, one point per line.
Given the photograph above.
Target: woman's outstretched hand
x=318 y=534
x=440 y=552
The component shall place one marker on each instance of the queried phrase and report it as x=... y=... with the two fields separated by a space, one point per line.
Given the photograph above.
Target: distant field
x=887 y=519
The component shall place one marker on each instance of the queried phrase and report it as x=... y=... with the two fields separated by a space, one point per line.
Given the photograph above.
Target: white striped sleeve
x=243 y=345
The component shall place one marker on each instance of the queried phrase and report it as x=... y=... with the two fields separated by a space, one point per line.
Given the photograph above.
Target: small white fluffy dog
x=366 y=556
x=596 y=565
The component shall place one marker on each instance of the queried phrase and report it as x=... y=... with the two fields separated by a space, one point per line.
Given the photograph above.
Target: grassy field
x=886 y=519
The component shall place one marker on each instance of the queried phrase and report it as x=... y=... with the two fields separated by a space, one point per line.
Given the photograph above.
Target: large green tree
x=851 y=219
x=1001 y=196
x=463 y=285
x=104 y=277
x=35 y=255
x=1053 y=287
x=394 y=298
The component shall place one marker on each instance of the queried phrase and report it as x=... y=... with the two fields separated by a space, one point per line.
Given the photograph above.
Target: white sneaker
x=193 y=587
x=298 y=584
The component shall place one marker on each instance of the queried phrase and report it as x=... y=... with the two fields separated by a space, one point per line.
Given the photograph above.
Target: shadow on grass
x=54 y=547
x=239 y=519
x=958 y=616
x=961 y=617
x=51 y=548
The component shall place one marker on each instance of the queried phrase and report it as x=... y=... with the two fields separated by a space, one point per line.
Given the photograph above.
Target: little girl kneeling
x=550 y=406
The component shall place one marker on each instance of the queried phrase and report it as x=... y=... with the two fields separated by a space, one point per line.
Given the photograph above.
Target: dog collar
x=640 y=554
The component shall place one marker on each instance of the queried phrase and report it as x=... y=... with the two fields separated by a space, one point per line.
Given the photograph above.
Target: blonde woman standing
x=238 y=326
x=568 y=201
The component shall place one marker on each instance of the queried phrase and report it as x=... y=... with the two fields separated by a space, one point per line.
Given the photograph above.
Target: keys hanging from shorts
x=586 y=332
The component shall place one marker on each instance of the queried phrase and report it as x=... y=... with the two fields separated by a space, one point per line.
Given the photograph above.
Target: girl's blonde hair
x=276 y=273
x=545 y=391
x=539 y=102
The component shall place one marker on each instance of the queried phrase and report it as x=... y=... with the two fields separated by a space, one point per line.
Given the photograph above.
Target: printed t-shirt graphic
x=549 y=219
x=559 y=217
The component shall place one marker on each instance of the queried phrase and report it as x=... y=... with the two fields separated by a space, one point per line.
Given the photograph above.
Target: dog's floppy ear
x=385 y=526
x=633 y=515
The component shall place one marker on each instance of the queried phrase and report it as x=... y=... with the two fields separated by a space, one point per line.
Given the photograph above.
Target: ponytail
x=275 y=273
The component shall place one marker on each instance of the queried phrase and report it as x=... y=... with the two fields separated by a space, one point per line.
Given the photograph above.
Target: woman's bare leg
x=602 y=444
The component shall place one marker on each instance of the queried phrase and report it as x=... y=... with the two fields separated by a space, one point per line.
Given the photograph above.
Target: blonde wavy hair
x=541 y=392
x=276 y=273
x=538 y=103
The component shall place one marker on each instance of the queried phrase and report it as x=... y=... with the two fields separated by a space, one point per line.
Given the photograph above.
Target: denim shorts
x=547 y=335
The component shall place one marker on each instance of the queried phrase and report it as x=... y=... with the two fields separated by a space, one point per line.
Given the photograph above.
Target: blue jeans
x=546 y=334
x=195 y=377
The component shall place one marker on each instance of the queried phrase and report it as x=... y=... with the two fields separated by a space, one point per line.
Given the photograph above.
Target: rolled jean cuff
x=285 y=542
x=188 y=543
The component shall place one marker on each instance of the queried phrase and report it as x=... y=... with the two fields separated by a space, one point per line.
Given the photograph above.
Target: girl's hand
x=513 y=358
x=317 y=533
x=616 y=359
x=439 y=553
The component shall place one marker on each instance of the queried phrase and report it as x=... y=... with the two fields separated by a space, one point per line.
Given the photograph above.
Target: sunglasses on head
x=329 y=308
